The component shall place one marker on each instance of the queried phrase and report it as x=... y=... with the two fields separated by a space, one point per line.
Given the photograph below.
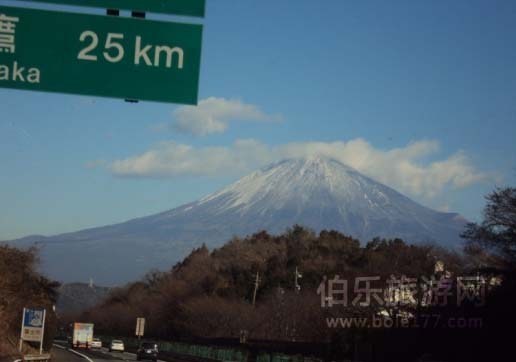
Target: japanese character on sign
x=7 y=28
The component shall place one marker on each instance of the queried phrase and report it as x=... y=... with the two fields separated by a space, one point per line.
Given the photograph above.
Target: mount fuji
x=317 y=192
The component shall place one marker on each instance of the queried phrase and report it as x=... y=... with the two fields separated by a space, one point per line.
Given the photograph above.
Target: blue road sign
x=34 y=318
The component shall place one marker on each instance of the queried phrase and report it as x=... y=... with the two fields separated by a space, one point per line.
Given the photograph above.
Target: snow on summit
x=323 y=193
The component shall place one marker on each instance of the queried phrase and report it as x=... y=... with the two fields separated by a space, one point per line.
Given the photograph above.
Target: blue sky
x=427 y=87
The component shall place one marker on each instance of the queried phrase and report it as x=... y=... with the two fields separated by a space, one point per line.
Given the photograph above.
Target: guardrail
x=207 y=353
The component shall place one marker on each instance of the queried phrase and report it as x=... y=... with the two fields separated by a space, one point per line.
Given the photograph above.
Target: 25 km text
x=114 y=51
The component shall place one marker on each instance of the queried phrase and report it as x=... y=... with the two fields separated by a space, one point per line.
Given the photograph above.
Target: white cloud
x=212 y=115
x=402 y=168
x=171 y=159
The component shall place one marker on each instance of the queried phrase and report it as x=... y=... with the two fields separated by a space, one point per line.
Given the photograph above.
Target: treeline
x=210 y=294
x=22 y=286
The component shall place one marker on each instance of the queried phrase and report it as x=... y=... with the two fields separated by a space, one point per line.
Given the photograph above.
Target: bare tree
x=494 y=239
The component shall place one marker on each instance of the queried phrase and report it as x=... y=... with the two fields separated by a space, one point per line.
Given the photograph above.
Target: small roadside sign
x=33 y=326
x=140 y=327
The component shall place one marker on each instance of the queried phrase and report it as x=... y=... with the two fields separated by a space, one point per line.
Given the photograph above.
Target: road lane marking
x=80 y=355
x=101 y=350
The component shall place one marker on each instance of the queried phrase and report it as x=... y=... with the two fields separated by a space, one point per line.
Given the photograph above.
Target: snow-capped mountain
x=321 y=193
x=316 y=192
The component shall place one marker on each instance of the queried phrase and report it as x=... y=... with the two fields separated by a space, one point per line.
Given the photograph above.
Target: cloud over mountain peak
x=406 y=168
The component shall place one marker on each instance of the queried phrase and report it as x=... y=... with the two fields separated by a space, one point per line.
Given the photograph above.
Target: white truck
x=82 y=335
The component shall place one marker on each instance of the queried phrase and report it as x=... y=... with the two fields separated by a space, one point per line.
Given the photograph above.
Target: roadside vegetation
x=22 y=286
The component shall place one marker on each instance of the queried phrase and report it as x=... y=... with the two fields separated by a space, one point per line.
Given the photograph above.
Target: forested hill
x=210 y=294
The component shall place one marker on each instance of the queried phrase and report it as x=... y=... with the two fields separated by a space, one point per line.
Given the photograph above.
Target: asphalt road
x=61 y=355
x=101 y=355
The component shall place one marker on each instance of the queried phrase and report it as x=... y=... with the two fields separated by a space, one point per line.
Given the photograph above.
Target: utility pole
x=256 y=283
x=297 y=288
x=296 y=283
x=42 y=333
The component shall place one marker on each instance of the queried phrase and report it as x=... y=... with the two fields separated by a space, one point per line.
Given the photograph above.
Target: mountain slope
x=319 y=193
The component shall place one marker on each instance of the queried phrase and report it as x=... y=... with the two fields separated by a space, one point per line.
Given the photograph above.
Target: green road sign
x=178 y=7
x=116 y=57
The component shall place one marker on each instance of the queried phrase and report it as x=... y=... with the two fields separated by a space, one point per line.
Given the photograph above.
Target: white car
x=96 y=343
x=116 y=345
